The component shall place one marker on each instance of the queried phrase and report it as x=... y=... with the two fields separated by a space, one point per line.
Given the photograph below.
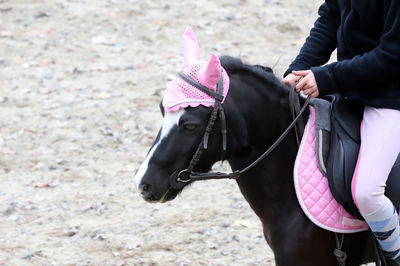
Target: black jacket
x=366 y=34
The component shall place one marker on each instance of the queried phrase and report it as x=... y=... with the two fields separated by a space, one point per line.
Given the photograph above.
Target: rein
x=180 y=179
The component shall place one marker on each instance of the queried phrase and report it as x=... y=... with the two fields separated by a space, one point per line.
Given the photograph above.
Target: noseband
x=179 y=179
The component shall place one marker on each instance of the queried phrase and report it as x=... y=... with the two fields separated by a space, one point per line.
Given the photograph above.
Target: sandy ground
x=80 y=83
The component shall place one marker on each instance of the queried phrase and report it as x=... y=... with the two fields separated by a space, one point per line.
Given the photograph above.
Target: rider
x=367 y=37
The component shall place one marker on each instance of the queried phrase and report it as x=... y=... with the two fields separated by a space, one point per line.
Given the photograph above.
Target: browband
x=201 y=87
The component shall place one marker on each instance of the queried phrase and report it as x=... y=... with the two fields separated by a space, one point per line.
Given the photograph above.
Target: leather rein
x=180 y=178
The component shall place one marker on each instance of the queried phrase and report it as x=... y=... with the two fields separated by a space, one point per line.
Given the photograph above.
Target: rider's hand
x=290 y=79
x=307 y=84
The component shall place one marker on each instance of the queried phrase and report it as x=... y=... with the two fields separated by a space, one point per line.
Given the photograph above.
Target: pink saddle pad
x=313 y=192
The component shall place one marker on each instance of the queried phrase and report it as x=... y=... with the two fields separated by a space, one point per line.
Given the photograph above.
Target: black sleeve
x=380 y=64
x=322 y=40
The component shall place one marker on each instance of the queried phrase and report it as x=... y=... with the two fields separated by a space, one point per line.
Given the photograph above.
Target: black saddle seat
x=346 y=117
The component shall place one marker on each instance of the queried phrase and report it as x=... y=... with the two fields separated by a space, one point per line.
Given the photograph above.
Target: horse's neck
x=269 y=186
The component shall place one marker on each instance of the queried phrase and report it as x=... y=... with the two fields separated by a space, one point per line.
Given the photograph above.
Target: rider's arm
x=321 y=42
x=378 y=65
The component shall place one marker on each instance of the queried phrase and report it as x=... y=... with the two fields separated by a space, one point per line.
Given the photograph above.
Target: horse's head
x=186 y=111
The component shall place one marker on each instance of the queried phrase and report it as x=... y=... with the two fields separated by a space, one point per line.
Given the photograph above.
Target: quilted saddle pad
x=312 y=188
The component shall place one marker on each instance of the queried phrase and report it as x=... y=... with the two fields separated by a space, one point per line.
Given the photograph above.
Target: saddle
x=338 y=146
x=325 y=164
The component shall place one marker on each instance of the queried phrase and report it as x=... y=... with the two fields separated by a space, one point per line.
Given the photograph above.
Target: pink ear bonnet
x=180 y=94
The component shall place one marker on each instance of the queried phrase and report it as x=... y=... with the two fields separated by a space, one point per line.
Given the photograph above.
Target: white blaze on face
x=170 y=120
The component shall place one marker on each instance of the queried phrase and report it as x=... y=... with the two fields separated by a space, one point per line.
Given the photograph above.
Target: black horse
x=257 y=112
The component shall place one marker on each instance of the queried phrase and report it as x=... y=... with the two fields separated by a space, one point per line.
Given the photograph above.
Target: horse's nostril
x=145 y=190
x=145 y=187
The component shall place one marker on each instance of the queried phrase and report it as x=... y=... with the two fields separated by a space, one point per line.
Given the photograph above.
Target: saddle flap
x=345 y=142
x=344 y=148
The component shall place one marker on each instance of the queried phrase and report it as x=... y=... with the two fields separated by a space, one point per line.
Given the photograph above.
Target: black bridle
x=180 y=178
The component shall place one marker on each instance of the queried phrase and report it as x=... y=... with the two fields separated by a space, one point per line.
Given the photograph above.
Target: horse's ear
x=191 y=47
x=212 y=73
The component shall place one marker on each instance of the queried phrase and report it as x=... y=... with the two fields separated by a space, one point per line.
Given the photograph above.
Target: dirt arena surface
x=80 y=83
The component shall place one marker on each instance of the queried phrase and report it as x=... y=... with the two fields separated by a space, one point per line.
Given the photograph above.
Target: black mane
x=234 y=65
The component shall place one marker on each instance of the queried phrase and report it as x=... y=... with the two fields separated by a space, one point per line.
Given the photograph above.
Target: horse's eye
x=189 y=127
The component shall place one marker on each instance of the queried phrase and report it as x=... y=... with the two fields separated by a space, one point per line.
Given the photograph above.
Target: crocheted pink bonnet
x=180 y=94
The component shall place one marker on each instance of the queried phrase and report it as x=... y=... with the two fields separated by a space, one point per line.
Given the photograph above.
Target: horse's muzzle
x=145 y=191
